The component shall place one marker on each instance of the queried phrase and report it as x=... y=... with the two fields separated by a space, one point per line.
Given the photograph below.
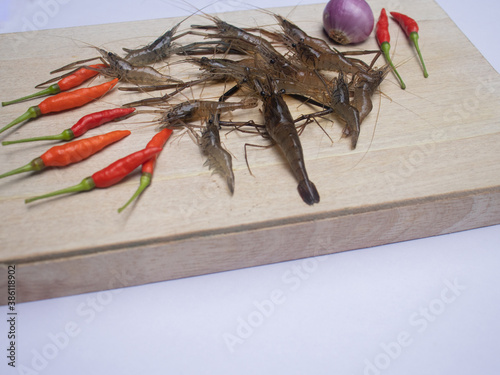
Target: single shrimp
x=125 y=71
x=118 y=67
x=162 y=48
x=228 y=32
x=242 y=40
x=342 y=107
x=281 y=129
x=201 y=110
x=364 y=86
x=218 y=159
x=214 y=47
x=159 y=50
x=222 y=69
x=315 y=52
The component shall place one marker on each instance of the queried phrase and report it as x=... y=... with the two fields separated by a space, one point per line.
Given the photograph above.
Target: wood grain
x=427 y=163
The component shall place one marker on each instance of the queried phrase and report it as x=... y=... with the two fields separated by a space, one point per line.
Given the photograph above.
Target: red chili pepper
x=68 y=82
x=108 y=176
x=410 y=28
x=383 y=39
x=70 y=153
x=86 y=123
x=148 y=167
x=64 y=101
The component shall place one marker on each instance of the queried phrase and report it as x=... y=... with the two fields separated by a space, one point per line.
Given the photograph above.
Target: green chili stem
x=51 y=90
x=32 y=112
x=385 y=47
x=414 y=38
x=66 y=135
x=86 y=185
x=34 y=165
x=144 y=183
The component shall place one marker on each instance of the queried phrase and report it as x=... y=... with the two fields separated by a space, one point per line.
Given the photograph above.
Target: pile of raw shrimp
x=267 y=66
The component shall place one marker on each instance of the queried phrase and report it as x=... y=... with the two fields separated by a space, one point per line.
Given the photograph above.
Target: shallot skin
x=348 y=21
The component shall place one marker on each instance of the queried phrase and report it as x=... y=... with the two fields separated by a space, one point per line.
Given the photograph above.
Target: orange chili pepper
x=70 y=153
x=64 y=101
x=68 y=82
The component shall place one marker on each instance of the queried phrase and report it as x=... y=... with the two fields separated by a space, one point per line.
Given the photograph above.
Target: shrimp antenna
x=198 y=10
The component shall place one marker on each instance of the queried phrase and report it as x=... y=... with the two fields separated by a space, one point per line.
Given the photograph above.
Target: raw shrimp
x=281 y=129
x=364 y=86
x=304 y=82
x=314 y=52
x=215 y=47
x=200 y=110
x=218 y=158
x=243 y=41
x=157 y=51
x=162 y=48
x=125 y=71
x=340 y=105
x=228 y=32
x=216 y=74
x=222 y=68
x=118 y=67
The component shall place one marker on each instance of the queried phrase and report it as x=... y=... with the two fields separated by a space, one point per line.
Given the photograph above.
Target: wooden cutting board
x=427 y=163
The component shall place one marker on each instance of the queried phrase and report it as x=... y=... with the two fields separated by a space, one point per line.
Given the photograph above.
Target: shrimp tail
x=219 y=160
x=307 y=191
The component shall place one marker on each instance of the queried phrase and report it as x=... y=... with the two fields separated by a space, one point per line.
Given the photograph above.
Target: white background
x=421 y=307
